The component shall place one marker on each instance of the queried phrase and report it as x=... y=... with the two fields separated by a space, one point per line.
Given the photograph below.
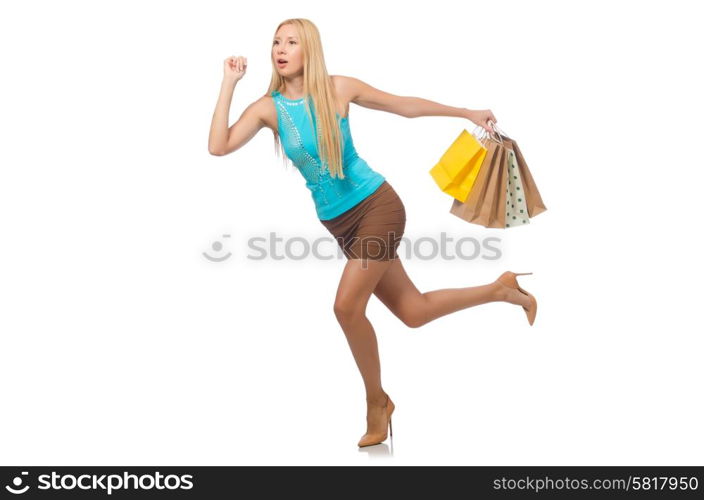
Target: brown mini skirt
x=373 y=228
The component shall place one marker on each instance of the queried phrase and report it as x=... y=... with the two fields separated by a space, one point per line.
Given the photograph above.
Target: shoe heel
x=391 y=429
x=531 y=312
x=509 y=279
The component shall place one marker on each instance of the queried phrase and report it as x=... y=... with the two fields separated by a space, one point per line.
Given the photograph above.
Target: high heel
x=509 y=279
x=371 y=439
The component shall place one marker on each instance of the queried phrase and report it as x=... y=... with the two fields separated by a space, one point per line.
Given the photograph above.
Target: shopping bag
x=484 y=205
x=457 y=169
x=515 y=208
x=534 y=201
x=494 y=202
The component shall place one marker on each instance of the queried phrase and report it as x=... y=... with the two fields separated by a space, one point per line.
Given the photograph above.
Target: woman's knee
x=414 y=321
x=413 y=317
x=348 y=309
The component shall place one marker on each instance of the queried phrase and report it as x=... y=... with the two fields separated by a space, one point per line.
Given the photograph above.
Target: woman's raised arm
x=223 y=140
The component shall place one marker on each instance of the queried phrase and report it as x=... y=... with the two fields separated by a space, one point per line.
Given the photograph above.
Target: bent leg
x=397 y=292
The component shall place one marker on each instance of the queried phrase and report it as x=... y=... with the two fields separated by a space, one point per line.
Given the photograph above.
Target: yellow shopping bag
x=457 y=169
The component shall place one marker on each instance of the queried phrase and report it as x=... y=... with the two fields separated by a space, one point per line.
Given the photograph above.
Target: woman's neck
x=294 y=87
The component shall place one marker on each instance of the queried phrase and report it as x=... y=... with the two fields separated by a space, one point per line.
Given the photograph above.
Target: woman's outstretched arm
x=367 y=96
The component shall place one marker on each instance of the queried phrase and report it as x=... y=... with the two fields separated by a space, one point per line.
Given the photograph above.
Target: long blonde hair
x=318 y=85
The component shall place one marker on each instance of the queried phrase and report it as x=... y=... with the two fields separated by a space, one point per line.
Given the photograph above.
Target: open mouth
x=281 y=62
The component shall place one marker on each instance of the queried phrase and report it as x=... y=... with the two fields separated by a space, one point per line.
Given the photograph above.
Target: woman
x=354 y=202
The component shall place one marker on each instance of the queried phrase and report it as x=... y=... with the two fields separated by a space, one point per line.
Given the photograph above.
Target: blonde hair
x=318 y=85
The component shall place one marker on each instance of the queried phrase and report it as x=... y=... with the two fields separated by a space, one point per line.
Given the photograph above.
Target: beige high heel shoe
x=509 y=279
x=371 y=439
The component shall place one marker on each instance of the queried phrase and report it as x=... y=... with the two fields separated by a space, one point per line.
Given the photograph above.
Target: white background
x=121 y=344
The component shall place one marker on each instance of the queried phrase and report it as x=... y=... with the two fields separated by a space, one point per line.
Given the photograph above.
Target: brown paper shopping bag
x=468 y=210
x=493 y=207
x=484 y=205
x=534 y=201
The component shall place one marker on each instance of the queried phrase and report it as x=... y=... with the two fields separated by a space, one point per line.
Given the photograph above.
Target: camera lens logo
x=17 y=483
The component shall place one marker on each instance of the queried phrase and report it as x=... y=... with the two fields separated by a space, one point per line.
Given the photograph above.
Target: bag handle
x=492 y=124
x=474 y=132
x=497 y=129
x=482 y=137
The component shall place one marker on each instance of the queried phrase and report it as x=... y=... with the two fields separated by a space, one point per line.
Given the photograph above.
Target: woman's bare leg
x=400 y=295
x=356 y=286
x=359 y=279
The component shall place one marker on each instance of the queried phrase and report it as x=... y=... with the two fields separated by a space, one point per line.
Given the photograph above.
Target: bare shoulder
x=365 y=95
x=265 y=110
x=354 y=89
x=344 y=88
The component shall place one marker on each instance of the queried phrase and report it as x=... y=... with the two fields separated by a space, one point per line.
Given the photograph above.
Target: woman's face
x=287 y=47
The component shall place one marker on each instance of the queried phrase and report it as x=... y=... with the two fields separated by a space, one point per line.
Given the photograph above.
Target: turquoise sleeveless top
x=332 y=196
